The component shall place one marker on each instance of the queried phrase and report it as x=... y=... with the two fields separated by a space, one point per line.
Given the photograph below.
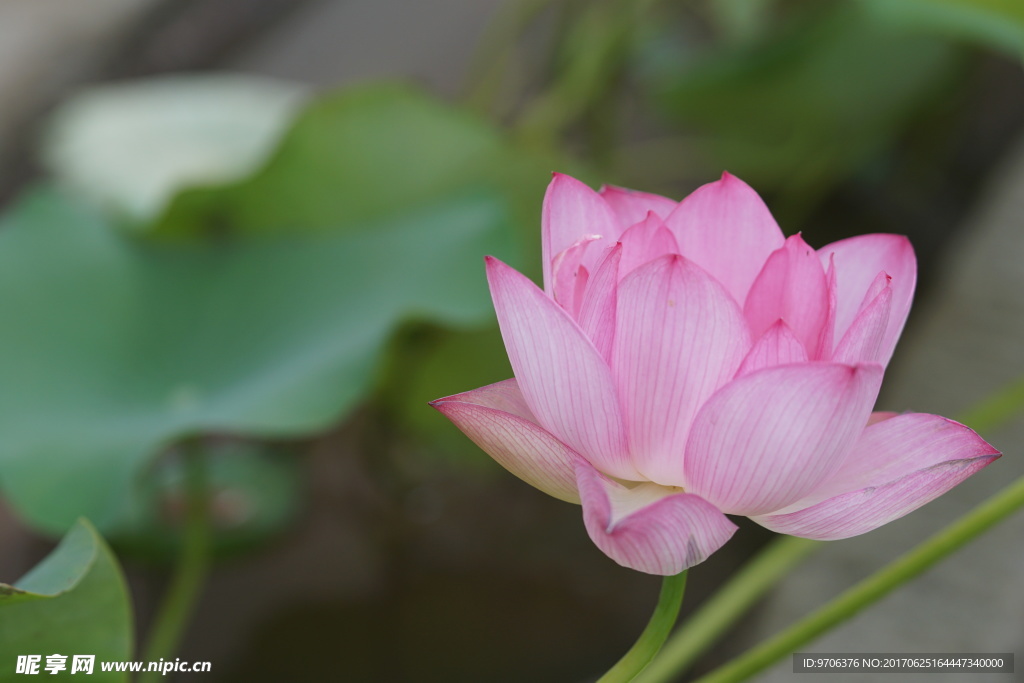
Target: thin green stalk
x=595 y=51
x=490 y=63
x=653 y=637
x=729 y=603
x=874 y=587
x=1001 y=407
x=190 y=571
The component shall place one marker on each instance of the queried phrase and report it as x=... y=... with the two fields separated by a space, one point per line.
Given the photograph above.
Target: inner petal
x=644 y=242
x=791 y=287
x=567 y=273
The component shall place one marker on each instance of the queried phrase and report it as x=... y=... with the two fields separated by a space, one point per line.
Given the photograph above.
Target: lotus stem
x=190 y=571
x=653 y=637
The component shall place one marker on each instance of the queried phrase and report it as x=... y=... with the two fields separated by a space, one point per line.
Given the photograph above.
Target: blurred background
x=253 y=230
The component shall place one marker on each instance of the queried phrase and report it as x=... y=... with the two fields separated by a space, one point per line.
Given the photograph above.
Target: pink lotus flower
x=686 y=361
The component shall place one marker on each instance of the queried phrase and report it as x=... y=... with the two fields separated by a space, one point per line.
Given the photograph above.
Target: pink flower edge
x=898 y=464
x=497 y=420
x=650 y=528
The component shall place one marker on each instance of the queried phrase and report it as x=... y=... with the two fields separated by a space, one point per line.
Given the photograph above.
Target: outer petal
x=791 y=287
x=631 y=206
x=777 y=346
x=768 y=439
x=898 y=465
x=726 y=228
x=571 y=212
x=679 y=337
x=497 y=419
x=858 y=261
x=650 y=528
x=564 y=379
x=891 y=448
x=858 y=512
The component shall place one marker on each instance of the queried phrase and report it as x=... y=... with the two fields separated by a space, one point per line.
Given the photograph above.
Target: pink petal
x=897 y=465
x=858 y=512
x=650 y=528
x=895 y=447
x=777 y=346
x=728 y=231
x=769 y=438
x=828 y=329
x=863 y=340
x=679 y=337
x=858 y=261
x=563 y=378
x=569 y=277
x=791 y=287
x=597 y=312
x=644 y=242
x=631 y=206
x=571 y=212
x=497 y=419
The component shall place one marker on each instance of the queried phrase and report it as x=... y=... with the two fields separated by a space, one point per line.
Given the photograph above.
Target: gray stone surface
x=962 y=344
x=47 y=44
x=338 y=42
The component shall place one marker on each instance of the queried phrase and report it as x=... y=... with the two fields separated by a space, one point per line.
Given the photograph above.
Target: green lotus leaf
x=74 y=602
x=116 y=346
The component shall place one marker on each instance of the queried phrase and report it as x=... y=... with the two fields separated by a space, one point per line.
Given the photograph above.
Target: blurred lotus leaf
x=117 y=346
x=129 y=147
x=357 y=155
x=255 y=492
x=74 y=602
x=260 y=308
x=993 y=23
x=805 y=106
x=364 y=153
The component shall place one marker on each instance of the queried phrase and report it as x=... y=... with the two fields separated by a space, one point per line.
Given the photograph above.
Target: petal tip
x=730 y=180
x=495 y=266
x=443 y=405
x=559 y=178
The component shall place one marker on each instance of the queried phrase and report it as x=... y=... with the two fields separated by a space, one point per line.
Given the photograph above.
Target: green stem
x=996 y=410
x=494 y=52
x=726 y=606
x=191 y=569
x=651 y=640
x=874 y=587
x=595 y=51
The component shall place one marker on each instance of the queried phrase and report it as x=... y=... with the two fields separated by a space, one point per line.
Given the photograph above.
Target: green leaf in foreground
x=73 y=602
x=115 y=347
